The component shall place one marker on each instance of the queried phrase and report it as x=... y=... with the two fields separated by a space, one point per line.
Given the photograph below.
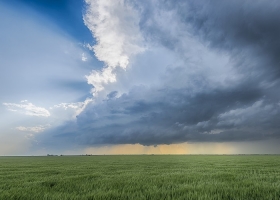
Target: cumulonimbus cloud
x=223 y=87
x=114 y=25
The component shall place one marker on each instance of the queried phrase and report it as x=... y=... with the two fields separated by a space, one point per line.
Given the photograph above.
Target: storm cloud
x=221 y=84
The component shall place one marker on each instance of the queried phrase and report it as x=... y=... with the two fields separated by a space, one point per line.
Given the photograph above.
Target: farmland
x=141 y=177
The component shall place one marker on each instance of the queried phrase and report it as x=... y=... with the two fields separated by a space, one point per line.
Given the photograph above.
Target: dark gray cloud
x=112 y=95
x=166 y=116
x=249 y=30
x=193 y=107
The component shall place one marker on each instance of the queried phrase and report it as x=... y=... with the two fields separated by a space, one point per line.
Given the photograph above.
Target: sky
x=139 y=77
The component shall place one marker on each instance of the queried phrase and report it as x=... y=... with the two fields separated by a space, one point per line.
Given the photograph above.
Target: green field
x=140 y=177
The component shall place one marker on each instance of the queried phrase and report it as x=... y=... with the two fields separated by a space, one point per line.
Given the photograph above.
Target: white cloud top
x=114 y=47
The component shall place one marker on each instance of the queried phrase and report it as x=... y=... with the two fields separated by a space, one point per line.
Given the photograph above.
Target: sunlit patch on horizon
x=183 y=148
